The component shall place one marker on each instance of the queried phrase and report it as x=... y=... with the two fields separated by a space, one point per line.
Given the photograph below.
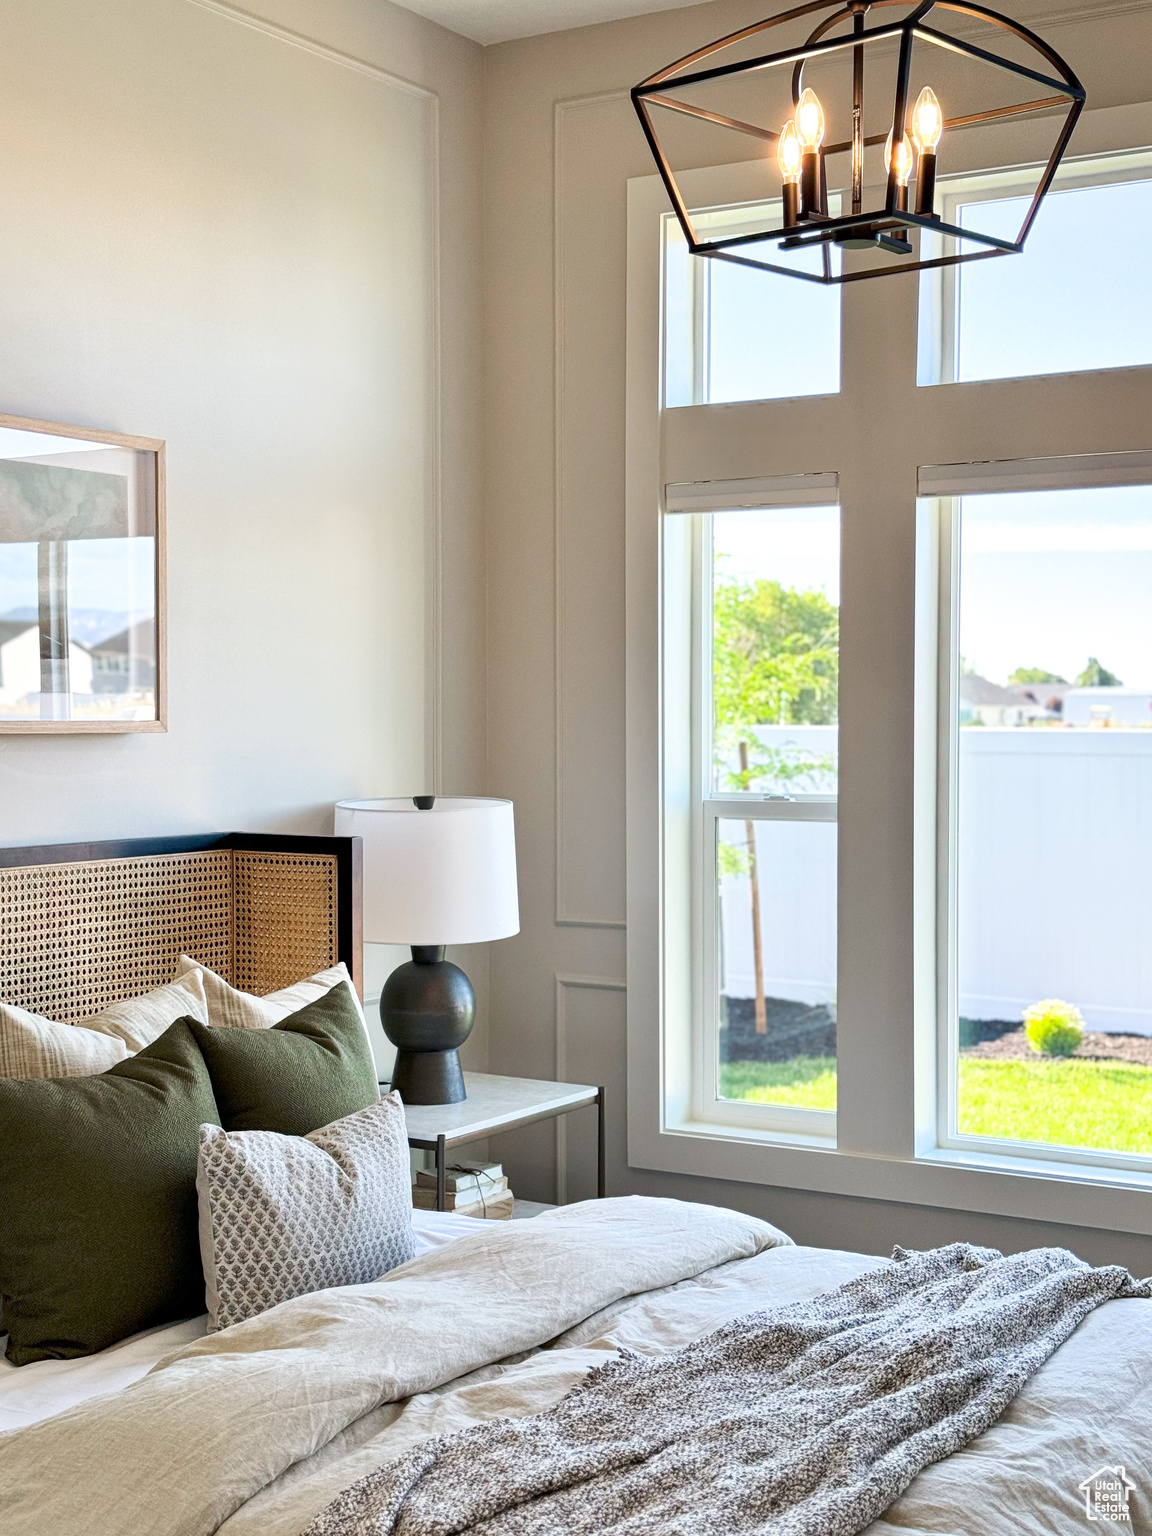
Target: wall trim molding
x=560 y=1059
x=561 y=916
x=312 y=45
x=436 y=473
x=1062 y=16
x=434 y=629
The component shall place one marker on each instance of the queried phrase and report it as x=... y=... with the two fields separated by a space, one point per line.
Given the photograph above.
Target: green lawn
x=807 y=1081
x=1065 y=1102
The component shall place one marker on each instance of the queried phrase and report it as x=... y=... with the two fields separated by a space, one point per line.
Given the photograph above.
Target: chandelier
x=797 y=214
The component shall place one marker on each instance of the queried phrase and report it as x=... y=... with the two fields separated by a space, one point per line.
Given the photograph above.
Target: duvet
x=255 y=1431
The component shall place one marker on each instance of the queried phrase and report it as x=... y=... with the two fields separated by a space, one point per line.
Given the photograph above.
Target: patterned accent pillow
x=284 y=1215
x=229 y=1008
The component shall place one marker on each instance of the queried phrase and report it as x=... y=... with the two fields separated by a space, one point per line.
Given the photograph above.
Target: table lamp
x=438 y=870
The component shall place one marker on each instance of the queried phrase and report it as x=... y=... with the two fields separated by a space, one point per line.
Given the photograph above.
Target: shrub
x=1053 y=1027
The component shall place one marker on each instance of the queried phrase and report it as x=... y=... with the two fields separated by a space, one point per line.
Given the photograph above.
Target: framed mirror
x=82 y=638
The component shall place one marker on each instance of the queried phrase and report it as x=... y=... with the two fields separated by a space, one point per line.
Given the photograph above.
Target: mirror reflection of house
x=126 y=662
x=80 y=579
x=20 y=664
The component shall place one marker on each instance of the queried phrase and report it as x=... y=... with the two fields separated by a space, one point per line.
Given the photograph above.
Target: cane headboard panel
x=86 y=925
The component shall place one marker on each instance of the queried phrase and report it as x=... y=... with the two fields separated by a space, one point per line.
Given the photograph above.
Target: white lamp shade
x=441 y=876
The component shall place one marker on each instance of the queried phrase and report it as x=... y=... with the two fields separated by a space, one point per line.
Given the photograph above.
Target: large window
x=1079 y=298
x=737 y=334
x=769 y=593
x=1050 y=715
x=887 y=933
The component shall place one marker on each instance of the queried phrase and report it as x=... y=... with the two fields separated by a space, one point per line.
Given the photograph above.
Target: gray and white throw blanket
x=806 y=1420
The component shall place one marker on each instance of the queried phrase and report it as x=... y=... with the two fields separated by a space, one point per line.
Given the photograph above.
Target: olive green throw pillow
x=98 y=1216
x=310 y=1069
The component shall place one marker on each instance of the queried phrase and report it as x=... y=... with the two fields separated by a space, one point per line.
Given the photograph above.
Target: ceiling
x=495 y=21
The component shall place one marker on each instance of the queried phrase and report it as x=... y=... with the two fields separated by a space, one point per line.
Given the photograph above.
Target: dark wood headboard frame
x=347 y=853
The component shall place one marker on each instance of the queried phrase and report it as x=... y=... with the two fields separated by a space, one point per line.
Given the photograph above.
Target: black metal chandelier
x=910 y=142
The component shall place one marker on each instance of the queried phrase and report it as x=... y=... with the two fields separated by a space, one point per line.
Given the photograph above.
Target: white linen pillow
x=229 y=1008
x=32 y=1046
x=284 y=1215
x=138 y=1021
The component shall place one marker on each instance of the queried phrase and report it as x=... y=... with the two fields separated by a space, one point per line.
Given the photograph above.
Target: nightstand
x=497 y=1104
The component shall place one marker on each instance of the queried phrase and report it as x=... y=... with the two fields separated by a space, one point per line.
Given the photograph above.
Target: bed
x=276 y=1426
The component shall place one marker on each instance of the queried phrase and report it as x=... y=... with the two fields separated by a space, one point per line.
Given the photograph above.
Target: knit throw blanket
x=805 y=1420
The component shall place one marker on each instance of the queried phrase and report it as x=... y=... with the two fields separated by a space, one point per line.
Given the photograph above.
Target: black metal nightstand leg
x=600 y=1144
x=440 y=1173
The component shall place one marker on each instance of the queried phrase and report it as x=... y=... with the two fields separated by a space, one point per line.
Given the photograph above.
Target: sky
x=1047 y=579
x=116 y=574
x=1093 y=242
x=776 y=338
x=798 y=548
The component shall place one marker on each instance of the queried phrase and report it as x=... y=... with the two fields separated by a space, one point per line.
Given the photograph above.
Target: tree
x=776 y=655
x=1096 y=676
x=1035 y=675
x=775 y=662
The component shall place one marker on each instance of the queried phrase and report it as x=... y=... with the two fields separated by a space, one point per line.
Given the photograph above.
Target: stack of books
x=471 y=1188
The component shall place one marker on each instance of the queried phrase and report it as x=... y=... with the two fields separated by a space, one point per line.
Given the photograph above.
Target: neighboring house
x=986 y=703
x=20 y=662
x=1108 y=706
x=126 y=663
x=1047 y=697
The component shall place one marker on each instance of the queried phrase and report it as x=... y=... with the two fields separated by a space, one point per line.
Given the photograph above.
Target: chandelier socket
x=925 y=184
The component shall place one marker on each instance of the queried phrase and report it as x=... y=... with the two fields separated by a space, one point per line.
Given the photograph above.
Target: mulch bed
x=1013 y=1045
x=794 y=1029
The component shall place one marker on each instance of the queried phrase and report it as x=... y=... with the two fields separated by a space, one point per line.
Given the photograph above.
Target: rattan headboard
x=83 y=925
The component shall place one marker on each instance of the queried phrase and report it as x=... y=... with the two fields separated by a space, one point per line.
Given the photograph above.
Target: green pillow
x=98 y=1218
x=310 y=1069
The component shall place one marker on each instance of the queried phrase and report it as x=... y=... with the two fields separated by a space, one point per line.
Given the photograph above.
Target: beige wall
x=561 y=142
x=256 y=250
x=267 y=254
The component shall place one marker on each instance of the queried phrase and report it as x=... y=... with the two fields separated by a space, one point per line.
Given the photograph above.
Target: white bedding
x=29 y=1393
x=252 y=1432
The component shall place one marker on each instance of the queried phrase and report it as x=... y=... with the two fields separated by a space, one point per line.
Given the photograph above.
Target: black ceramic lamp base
x=428 y=1077
x=427 y=1009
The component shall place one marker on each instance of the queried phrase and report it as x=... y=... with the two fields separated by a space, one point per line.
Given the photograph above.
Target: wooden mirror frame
x=156 y=447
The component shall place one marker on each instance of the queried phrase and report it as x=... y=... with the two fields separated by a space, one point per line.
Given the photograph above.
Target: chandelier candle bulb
x=927 y=129
x=810 y=132
x=898 y=160
x=788 y=158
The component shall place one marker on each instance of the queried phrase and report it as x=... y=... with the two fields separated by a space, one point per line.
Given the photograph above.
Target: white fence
x=1055 y=882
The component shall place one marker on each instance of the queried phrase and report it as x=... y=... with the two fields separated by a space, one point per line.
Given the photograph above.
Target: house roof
x=10 y=628
x=978 y=690
x=138 y=638
x=1105 y=693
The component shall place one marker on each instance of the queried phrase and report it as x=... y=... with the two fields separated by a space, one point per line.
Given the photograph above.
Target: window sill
x=1072 y=1194
x=1064 y=1170
x=763 y=1136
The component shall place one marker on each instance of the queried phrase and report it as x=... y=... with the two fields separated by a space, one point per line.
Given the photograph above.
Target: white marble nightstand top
x=494 y=1104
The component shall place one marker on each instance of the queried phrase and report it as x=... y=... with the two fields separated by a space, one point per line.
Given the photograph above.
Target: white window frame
x=688 y=562
x=938 y=307
x=943 y=489
x=876 y=436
